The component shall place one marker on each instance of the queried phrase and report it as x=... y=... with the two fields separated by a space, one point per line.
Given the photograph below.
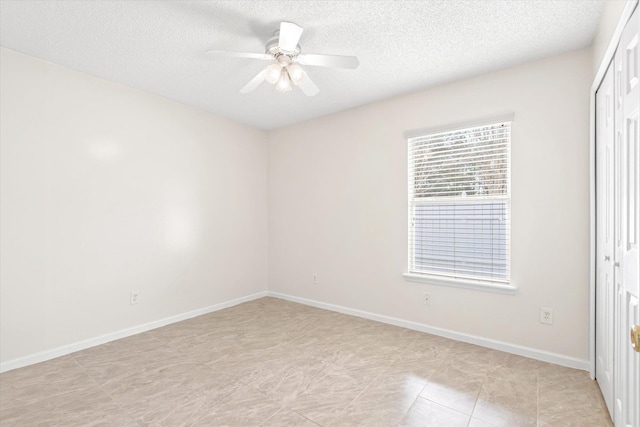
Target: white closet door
x=627 y=363
x=605 y=133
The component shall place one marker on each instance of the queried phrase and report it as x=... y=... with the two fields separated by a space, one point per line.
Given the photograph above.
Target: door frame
x=599 y=75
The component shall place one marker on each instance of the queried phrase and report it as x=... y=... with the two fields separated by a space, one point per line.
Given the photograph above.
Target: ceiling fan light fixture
x=296 y=73
x=273 y=73
x=284 y=82
x=285 y=53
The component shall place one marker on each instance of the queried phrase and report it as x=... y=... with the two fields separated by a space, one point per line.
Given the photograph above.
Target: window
x=459 y=204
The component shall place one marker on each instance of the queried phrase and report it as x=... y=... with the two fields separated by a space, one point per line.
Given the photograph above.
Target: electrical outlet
x=546 y=315
x=134 y=297
x=426 y=298
x=314 y=278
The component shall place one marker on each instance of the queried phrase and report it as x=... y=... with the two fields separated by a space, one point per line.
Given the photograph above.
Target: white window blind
x=459 y=202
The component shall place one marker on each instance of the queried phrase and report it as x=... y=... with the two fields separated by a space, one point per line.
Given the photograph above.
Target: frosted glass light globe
x=296 y=72
x=273 y=73
x=284 y=83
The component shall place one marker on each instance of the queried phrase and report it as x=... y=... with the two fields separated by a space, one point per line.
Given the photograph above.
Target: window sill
x=461 y=283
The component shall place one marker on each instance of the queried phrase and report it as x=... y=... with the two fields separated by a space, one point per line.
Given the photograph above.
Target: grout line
x=295 y=412
x=475 y=403
x=272 y=415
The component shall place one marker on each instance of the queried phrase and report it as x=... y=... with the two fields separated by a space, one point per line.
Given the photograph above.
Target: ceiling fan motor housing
x=273 y=47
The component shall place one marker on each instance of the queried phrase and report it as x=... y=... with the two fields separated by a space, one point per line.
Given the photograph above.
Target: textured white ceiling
x=403 y=46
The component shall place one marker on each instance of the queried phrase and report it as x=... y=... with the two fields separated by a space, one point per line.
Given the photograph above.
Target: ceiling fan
x=284 y=52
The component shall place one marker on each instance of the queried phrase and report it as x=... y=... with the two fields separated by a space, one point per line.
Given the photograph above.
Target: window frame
x=492 y=285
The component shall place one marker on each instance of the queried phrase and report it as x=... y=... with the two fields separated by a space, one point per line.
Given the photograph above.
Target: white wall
x=338 y=206
x=106 y=189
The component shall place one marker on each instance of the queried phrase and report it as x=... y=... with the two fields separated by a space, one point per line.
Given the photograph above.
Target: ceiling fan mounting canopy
x=273 y=47
x=283 y=49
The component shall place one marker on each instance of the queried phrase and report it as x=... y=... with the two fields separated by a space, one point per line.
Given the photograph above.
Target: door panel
x=605 y=133
x=627 y=361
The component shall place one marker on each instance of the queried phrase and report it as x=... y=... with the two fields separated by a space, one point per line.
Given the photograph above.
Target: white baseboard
x=545 y=356
x=92 y=342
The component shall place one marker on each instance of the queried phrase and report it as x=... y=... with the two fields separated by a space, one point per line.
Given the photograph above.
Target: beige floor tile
x=60 y=379
x=287 y=418
x=187 y=409
x=474 y=422
x=424 y=356
x=196 y=338
x=250 y=366
x=511 y=365
x=508 y=401
x=455 y=388
x=151 y=396
x=559 y=375
x=384 y=402
x=334 y=389
x=471 y=357
x=245 y=407
x=93 y=408
x=577 y=419
x=111 y=361
x=292 y=376
x=568 y=397
x=427 y=413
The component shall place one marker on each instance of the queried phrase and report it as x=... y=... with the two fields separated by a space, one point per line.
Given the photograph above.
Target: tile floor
x=275 y=363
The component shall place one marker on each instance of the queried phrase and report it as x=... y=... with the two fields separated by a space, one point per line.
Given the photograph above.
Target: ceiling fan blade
x=254 y=83
x=307 y=86
x=250 y=55
x=336 y=61
x=289 y=36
